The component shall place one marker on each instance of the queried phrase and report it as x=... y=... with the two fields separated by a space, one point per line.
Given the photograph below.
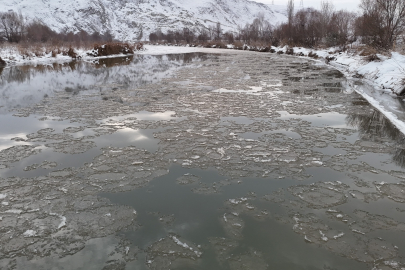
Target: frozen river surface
x=196 y=161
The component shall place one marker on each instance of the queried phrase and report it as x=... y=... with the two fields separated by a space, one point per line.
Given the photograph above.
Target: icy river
x=196 y=161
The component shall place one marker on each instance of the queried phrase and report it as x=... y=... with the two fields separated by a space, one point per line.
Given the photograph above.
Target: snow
x=62 y=218
x=29 y=233
x=338 y=236
x=135 y=20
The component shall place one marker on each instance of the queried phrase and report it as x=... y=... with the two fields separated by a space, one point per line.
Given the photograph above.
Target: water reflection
x=375 y=127
x=21 y=86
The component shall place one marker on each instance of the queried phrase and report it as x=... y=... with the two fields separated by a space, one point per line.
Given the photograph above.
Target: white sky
x=349 y=5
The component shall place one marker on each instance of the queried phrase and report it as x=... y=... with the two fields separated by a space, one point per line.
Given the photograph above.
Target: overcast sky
x=350 y=5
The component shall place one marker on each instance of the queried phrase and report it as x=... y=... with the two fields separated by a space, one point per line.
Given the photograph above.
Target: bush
x=238 y=45
x=290 y=51
x=2 y=62
x=280 y=52
x=265 y=49
x=71 y=53
x=313 y=55
x=372 y=58
x=366 y=51
x=329 y=58
x=113 y=48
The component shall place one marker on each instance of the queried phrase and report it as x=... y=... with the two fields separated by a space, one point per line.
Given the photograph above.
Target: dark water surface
x=195 y=161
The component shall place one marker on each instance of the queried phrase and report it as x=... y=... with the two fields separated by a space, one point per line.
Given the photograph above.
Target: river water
x=196 y=161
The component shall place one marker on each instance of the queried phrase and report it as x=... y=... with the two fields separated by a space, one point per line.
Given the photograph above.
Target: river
x=196 y=161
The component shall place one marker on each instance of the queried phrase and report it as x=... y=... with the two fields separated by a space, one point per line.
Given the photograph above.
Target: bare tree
x=12 y=25
x=327 y=9
x=383 y=20
x=218 y=31
x=290 y=14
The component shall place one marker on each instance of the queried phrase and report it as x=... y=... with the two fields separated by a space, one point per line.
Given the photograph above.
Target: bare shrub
x=290 y=51
x=2 y=62
x=111 y=49
x=373 y=58
x=264 y=49
x=313 y=55
x=382 y=22
x=139 y=46
x=367 y=51
x=238 y=45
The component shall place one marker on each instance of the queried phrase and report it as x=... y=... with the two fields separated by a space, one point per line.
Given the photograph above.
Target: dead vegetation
x=114 y=48
x=313 y=55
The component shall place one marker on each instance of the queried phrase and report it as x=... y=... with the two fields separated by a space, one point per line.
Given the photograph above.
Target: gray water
x=239 y=161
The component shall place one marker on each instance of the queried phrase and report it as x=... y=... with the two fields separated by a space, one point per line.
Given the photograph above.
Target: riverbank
x=32 y=55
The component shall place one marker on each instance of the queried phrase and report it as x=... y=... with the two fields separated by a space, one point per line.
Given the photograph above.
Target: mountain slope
x=135 y=19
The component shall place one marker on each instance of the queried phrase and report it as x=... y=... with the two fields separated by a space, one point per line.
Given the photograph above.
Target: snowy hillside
x=135 y=19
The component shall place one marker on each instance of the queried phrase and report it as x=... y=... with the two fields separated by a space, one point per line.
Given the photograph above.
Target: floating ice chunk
x=338 y=236
x=339 y=216
x=195 y=157
x=62 y=218
x=29 y=233
x=186 y=162
x=359 y=232
x=226 y=220
x=306 y=239
x=62 y=223
x=14 y=211
x=393 y=264
x=2 y=196
x=108 y=215
x=137 y=163
x=317 y=162
x=221 y=151
x=323 y=236
x=177 y=241
x=233 y=201
x=126 y=250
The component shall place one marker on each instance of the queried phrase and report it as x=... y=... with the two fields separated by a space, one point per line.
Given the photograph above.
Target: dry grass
x=290 y=51
x=53 y=49
x=115 y=48
x=238 y=45
x=313 y=55
x=215 y=44
x=367 y=51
